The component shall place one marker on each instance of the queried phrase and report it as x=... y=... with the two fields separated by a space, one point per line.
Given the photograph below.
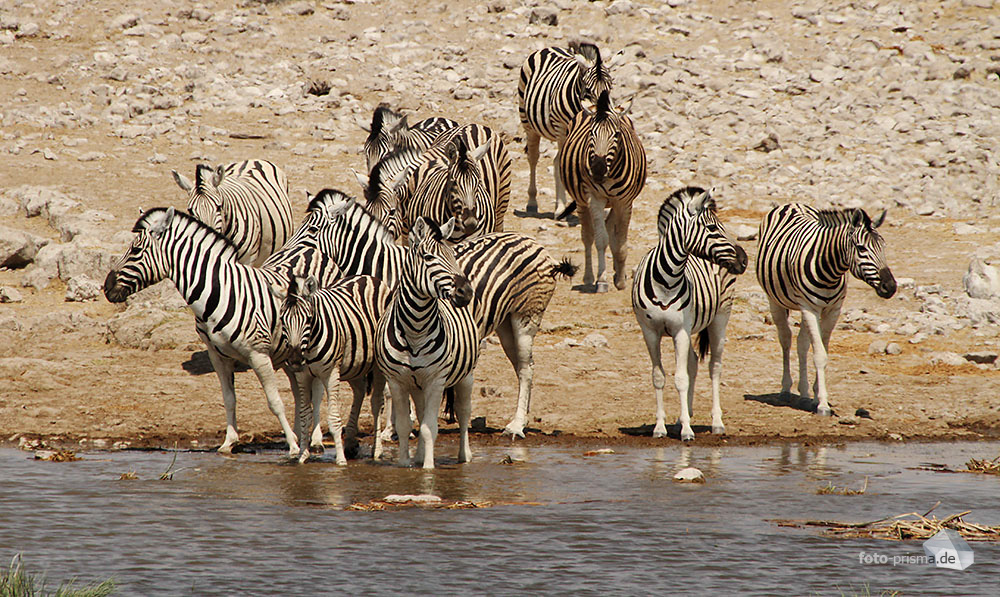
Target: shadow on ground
x=673 y=431
x=781 y=399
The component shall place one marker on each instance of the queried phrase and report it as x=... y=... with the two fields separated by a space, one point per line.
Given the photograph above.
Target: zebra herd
x=401 y=291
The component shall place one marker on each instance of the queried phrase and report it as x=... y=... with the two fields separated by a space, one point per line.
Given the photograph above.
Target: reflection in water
x=606 y=524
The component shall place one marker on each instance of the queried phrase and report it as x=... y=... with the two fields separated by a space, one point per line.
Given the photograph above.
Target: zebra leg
x=652 y=338
x=811 y=321
x=827 y=322
x=620 y=217
x=802 y=347
x=560 y=207
x=261 y=364
x=780 y=317
x=587 y=235
x=717 y=344
x=600 y=239
x=463 y=411
x=225 y=368
x=377 y=402
x=306 y=408
x=401 y=419
x=533 y=139
x=692 y=371
x=351 y=429
x=682 y=352
x=429 y=405
x=517 y=337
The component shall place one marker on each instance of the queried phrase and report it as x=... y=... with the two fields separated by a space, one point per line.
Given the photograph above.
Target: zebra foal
x=428 y=341
x=551 y=88
x=683 y=288
x=802 y=265
x=603 y=165
x=246 y=202
x=332 y=330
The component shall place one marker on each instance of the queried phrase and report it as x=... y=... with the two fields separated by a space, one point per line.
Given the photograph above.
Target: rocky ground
x=880 y=105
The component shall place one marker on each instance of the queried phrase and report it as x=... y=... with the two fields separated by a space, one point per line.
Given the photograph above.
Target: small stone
x=689 y=475
x=981 y=358
x=745 y=232
x=893 y=348
x=594 y=340
x=768 y=144
x=82 y=288
x=10 y=295
x=124 y=21
x=862 y=413
x=423 y=498
x=877 y=347
x=299 y=8
x=544 y=16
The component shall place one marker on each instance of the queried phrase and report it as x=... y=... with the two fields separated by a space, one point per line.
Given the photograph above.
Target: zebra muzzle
x=462 y=294
x=598 y=168
x=112 y=291
x=738 y=264
x=886 y=286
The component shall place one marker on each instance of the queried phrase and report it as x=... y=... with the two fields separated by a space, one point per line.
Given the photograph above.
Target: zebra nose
x=469 y=221
x=886 y=284
x=462 y=295
x=739 y=264
x=598 y=168
x=111 y=292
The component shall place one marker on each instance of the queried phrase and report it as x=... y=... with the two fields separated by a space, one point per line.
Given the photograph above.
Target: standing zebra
x=513 y=277
x=683 y=288
x=389 y=130
x=235 y=313
x=603 y=165
x=333 y=329
x=550 y=91
x=466 y=174
x=802 y=265
x=428 y=341
x=245 y=201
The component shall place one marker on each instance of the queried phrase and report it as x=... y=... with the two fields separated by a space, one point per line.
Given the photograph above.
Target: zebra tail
x=449 y=404
x=570 y=208
x=704 y=342
x=565 y=268
x=369 y=383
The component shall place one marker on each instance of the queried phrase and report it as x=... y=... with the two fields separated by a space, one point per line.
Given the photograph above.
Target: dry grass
x=900 y=528
x=986 y=467
x=831 y=489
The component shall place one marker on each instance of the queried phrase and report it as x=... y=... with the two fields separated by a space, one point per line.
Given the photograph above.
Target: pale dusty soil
x=74 y=385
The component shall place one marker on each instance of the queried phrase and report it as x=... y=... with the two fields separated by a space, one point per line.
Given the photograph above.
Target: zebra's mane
x=675 y=201
x=355 y=212
x=604 y=108
x=187 y=221
x=588 y=50
x=834 y=218
x=383 y=116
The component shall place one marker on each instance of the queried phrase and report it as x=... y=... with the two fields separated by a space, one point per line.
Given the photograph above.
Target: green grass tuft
x=16 y=582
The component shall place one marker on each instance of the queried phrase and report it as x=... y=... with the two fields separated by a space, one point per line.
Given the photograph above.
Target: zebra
x=683 y=288
x=428 y=341
x=513 y=277
x=389 y=130
x=246 y=201
x=802 y=263
x=551 y=89
x=603 y=165
x=333 y=329
x=235 y=312
x=466 y=173
x=385 y=183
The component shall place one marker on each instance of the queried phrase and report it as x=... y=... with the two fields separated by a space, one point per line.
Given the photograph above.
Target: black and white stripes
x=683 y=288
x=802 y=265
x=245 y=201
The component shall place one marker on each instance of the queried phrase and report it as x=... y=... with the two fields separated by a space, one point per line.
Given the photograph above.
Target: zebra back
x=603 y=156
x=246 y=201
x=432 y=177
x=553 y=84
x=390 y=130
x=805 y=254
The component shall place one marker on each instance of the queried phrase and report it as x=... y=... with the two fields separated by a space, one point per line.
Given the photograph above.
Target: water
x=610 y=524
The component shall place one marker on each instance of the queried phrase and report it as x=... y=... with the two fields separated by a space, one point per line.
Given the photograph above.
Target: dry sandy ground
x=63 y=382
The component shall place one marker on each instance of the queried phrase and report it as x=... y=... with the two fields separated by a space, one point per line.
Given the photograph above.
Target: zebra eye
x=428 y=257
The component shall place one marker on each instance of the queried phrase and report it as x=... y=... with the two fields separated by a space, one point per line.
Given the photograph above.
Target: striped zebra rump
x=554 y=82
x=433 y=179
x=246 y=201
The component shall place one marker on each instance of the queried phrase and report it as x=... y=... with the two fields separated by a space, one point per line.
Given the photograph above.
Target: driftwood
x=900 y=528
x=974 y=465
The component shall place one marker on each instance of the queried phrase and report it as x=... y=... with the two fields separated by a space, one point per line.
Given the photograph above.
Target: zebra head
x=296 y=310
x=867 y=254
x=431 y=266
x=594 y=77
x=386 y=123
x=144 y=262
x=464 y=182
x=381 y=193
x=688 y=217
x=204 y=200
x=605 y=138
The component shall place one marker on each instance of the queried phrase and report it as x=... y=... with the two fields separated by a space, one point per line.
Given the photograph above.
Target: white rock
x=689 y=475
x=18 y=248
x=981 y=281
x=82 y=288
x=594 y=340
x=124 y=21
x=10 y=295
x=422 y=498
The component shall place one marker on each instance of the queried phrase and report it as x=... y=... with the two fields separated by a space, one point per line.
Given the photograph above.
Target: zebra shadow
x=568 y=221
x=673 y=431
x=788 y=400
x=199 y=364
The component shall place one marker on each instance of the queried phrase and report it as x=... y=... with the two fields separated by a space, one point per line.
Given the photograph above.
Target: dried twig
x=902 y=527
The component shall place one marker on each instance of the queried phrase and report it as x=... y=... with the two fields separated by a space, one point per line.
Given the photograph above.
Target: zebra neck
x=419 y=316
x=670 y=259
x=363 y=251
x=197 y=264
x=832 y=256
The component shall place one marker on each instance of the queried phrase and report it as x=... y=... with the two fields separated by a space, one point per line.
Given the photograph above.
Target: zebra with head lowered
x=512 y=275
x=802 y=265
x=683 y=288
x=603 y=165
x=389 y=131
x=428 y=341
x=235 y=313
x=246 y=202
x=329 y=330
x=551 y=89
x=465 y=174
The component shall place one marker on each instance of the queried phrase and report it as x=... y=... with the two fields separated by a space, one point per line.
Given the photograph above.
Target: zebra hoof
x=531 y=209
x=514 y=431
x=687 y=435
x=601 y=287
x=824 y=411
x=718 y=429
x=660 y=430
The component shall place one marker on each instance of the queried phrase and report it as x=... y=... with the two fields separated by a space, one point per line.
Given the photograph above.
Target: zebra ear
x=182 y=181
x=361 y=178
x=626 y=106
x=582 y=63
x=217 y=177
x=858 y=218
x=160 y=225
x=278 y=291
x=699 y=203
x=309 y=287
x=480 y=152
x=617 y=60
x=401 y=124
x=448 y=228
x=880 y=220
x=418 y=232
x=398 y=179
